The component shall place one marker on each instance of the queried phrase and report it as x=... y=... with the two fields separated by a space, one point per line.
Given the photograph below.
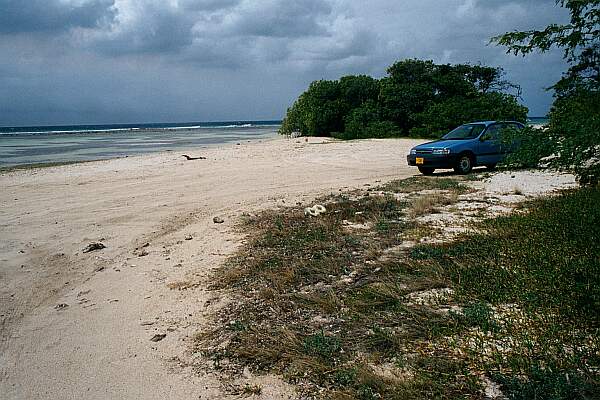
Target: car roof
x=488 y=123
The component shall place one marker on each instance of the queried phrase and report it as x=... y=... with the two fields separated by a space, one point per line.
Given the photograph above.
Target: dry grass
x=327 y=307
x=252 y=390
x=429 y=204
x=315 y=298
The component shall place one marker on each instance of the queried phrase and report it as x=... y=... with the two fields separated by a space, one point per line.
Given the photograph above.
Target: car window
x=510 y=133
x=493 y=132
x=512 y=127
x=469 y=131
x=517 y=127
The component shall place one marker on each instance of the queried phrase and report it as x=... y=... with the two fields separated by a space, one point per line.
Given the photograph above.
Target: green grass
x=417 y=183
x=319 y=303
x=547 y=264
x=548 y=258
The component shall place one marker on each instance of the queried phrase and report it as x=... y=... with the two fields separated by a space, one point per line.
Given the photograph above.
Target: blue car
x=468 y=146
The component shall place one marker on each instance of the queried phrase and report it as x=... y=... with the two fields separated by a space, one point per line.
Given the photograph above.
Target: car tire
x=491 y=167
x=426 y=170
x=464 y=164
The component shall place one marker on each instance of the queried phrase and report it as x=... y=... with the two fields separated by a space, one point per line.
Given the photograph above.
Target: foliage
x=318 y=111
x=545 y=382
x=573 y=136
x=436 y=119
x=534 y=145
x=572 y=140
x=417 y=97
x=578 y=39
x=480 y=314
x=575 y=120
x=365 y=122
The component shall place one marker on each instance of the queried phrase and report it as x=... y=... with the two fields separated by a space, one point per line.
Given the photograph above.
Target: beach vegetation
x=41 y=165
x=416 y=98
x=346 y=313
x=572 y=140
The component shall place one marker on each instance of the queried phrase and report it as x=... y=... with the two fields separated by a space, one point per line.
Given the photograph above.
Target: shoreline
x=42 y=165
x=21 y=150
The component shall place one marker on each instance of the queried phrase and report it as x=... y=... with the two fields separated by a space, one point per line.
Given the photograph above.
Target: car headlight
x=441 y=151
x=413 y=152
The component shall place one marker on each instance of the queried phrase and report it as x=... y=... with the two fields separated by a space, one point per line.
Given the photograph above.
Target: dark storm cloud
x=227 y=53
x=280 y=18
x=18 y=16
x=207 y=5
x=202 y=28
x=149 y=27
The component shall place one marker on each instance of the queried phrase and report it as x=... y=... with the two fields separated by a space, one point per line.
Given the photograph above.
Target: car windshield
x=470 y=131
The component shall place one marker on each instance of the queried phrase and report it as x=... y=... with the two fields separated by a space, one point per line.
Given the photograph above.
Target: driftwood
x=93 y=247
x=192 y=158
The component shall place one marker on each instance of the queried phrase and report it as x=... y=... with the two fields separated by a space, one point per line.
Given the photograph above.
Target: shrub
x=571 y=142
x=417 y=97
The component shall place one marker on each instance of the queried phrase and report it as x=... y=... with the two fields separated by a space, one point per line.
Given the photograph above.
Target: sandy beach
x=79 y=325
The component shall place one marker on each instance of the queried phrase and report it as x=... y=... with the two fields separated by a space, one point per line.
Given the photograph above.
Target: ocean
x=537 y=121
x=60 y=144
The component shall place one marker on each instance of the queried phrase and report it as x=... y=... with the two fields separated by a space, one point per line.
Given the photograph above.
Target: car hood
x=441 y=144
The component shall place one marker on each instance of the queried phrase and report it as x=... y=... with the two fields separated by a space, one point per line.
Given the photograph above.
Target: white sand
x=99 y=347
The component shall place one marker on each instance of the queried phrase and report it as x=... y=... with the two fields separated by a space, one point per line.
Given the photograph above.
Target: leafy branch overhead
x=579 y=39
x=572 y=140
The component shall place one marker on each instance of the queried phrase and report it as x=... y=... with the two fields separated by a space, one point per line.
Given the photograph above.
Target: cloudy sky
x=120 y=61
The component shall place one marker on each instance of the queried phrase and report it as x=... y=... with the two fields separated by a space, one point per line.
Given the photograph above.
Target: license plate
x=420 y=160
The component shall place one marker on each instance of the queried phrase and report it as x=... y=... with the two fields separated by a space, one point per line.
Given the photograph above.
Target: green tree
x=416 y=96
x=356 y=90
x=359 y=118
x=406 y=91
x=574 y=130
x=439 y=117
x=318 y=111
x=427 y=100
x=366 y=122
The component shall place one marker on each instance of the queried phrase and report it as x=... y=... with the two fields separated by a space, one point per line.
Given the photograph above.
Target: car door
x=490 y=146
x=510 y=139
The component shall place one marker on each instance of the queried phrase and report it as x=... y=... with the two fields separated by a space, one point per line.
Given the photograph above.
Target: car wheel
x=464 y=164
x=426 y=170
x=491 y=167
